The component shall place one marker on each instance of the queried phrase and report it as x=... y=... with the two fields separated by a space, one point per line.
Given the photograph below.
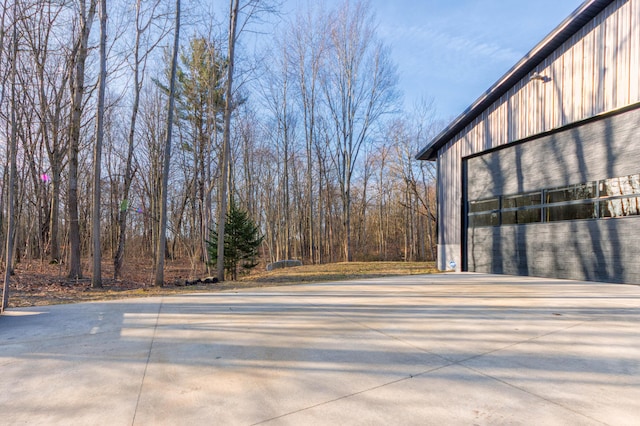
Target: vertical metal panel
x=450 y=200
x=538 y=99
x=588 y=92
x=527 y=105
x=610 y=61
x=566 y=90
x=599 y=64
x=577 y=79
x=624 y=53
x=550 y=94
x=502 y=120
x=595 y=71
x=634 y=47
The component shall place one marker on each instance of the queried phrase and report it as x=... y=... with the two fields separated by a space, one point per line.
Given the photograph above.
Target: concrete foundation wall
x=446 y=255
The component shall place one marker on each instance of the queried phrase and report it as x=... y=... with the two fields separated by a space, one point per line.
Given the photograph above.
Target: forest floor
x=37 y=283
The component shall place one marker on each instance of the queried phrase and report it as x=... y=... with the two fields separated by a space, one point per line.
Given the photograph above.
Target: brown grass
x=340 y=271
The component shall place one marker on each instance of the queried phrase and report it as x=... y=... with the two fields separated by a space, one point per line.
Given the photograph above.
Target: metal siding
x=588 y=76
x=594 y=71
x=556 y=77
x=634 y=47
x=566 y=90
x=529 y=105
x=606 y=249
x=599 y=64
x=624 y=41
x=577 y=77
x=450 y=222
x=503 y=120
x=549 y=94
x=610 y=57
x=542 y=250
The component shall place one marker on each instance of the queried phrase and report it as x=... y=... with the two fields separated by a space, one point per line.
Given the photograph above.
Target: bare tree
x=49 y=101
x=359 y=86
x=142 y=26
x=276 y=91
x=149 y=159
x=80 y=52
x=96 y=278
x=308 y=44
x=13 y=146
x=411 y=187
x=306 y=167
x=420 y=175
x=234 y=7
x=162 y=239
x=250 y=9
x=383 y=183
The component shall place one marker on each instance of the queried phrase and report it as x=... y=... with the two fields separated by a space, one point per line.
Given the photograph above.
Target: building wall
x=591 y=249
x=595 y=71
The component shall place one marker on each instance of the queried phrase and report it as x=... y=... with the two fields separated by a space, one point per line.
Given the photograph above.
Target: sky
x=453 y=50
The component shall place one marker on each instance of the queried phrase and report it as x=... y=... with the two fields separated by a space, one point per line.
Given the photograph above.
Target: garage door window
x=602 y=199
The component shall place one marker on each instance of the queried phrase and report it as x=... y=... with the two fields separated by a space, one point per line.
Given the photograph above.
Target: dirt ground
x=37 y=283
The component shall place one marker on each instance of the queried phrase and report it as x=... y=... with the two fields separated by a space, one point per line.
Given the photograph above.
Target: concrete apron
x=432 y=349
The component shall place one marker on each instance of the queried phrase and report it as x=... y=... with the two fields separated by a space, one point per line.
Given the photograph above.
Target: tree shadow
x=328 y=340
x=596 y=148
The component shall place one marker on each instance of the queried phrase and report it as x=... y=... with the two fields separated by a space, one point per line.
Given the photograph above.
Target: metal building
x=541 y=175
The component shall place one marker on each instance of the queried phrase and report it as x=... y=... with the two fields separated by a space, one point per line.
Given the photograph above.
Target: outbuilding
x=541 y=175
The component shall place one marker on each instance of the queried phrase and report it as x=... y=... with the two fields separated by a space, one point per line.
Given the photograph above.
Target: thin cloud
x=432 y=39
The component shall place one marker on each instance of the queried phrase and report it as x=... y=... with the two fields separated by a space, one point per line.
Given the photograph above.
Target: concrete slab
x=452 y=395
x=433 y=349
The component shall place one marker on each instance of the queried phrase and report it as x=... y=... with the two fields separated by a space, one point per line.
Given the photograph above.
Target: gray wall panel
x=598 y=250
x=602 y=149
x=594 y=250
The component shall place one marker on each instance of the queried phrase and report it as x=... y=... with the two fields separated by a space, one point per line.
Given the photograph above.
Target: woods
x=296 y=117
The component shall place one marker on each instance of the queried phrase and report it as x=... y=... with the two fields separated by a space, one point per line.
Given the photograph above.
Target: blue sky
x=454 y=50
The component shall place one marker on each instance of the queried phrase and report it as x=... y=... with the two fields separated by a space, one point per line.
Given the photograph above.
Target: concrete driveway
x=434 y=349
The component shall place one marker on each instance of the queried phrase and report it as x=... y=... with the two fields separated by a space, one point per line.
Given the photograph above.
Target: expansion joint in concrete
x=146 y=366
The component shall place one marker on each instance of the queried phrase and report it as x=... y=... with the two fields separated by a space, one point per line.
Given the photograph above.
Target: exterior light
x=536 y=76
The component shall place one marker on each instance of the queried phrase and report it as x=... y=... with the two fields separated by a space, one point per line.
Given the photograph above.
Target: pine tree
x=241 y=241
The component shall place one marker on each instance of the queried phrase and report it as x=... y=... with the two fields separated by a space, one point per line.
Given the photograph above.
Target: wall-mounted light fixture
x=536 y=76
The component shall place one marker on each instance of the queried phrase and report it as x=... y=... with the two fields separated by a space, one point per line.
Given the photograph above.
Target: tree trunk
x=54 y=215
x=162 y=237
x=13 y=145
x=118 y=258
x=226 y=137
x=86 y=19
x=287 y=202
x=348 y=256
x=96 y=278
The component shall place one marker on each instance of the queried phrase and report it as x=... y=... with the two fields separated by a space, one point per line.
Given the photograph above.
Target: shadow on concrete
x=332 y=338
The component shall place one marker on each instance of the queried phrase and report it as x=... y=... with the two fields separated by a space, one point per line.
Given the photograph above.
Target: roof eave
x=580 y=17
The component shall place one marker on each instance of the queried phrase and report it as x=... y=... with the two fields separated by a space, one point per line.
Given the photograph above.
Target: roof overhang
x=563 y=32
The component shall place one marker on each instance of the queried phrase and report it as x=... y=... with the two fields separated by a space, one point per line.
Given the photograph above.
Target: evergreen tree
x=241 y=241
